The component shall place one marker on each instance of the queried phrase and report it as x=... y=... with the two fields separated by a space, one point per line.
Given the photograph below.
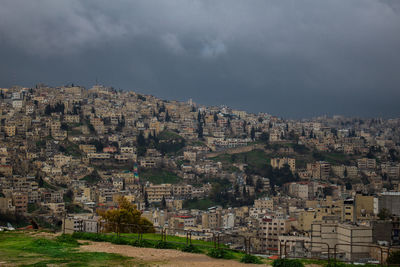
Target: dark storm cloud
x=288 y=57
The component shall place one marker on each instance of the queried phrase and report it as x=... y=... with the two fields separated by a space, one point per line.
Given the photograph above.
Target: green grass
x=24 y=249
x=157 y=176
x=256 y=159
x=29 y=249
x=326 y=263
x=197 y=143
x=201 y=204
x=336 y=158
x=169 y=135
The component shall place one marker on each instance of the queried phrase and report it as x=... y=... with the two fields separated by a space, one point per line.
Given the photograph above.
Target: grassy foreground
x=30 y=249
x=26 y=248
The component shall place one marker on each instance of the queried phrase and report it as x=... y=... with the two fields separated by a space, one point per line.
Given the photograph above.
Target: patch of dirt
x=43 y=234
x=161 y=257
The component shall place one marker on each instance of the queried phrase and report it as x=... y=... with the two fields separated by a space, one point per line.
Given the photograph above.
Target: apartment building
x=366 y=164
x=87 y=148
x=354 y=239
x=319 y=170
x=390 y=201
x=155 y=193
x=10 y=130
x=279 y=163
x=270 y=230
x=20 y=201
x=264 y=204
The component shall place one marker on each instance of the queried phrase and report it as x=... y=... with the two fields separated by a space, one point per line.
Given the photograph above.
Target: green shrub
x=191 y=249
x=117 y=240
x=393 y=258
x=287 y=263
x=338 y=264
x=164 y=245
x=250 y=259
x=145 y=244
x=219 y=253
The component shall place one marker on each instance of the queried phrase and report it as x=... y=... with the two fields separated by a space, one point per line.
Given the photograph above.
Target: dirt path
x=161 y=257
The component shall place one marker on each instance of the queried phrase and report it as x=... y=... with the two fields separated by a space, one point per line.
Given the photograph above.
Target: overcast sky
x=290 y=58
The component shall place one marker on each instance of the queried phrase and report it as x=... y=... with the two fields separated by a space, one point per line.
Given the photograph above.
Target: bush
x=250 y=259
x=118 y=240
x=191 y=249
x=393 y=258
x=287 y=263
x=163 y=245
x=338 y=264
x=219 y=253
x=145 y=244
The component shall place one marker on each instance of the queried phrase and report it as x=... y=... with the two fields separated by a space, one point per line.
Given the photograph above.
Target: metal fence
x=346 y=252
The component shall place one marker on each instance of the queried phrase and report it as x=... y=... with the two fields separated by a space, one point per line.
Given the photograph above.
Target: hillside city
x=67 y=151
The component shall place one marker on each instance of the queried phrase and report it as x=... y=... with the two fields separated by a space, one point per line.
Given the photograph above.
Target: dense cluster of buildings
x=66 y=150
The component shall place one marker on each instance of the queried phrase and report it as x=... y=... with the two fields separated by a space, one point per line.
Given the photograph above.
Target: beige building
x=312 y=215
x=20 y=201
x=264 y=203
x=88 y=148
x=366 y=163
x=319 y=170
x=270 y=230
x=354 y=239
x=10 y=130
x=190 y=156
x=6 y=205
x=80 y=224
x=211 y=219
x=366 y=207
x=155 y=193
x=281 y=162
x=98 y=125
x=349 y=211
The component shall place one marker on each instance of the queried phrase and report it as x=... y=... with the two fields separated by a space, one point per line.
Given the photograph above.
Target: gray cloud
x=288 y=57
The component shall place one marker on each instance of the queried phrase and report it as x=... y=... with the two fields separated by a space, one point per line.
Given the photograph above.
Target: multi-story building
x=155 y=193
x=366 y=164
x=354 y=240
x=10 y=130
x=279 y=163
x=20 y=201
x=264 y=204
x=390 y=201
x=319 y=170
x=270 y=230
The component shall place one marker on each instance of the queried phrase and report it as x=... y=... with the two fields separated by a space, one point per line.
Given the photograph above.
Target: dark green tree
x=163 y=203
x=249 y=181
x=146 y=200
x=384 y=214
x=252 y=133
x=215 y=117
x=259 y=185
